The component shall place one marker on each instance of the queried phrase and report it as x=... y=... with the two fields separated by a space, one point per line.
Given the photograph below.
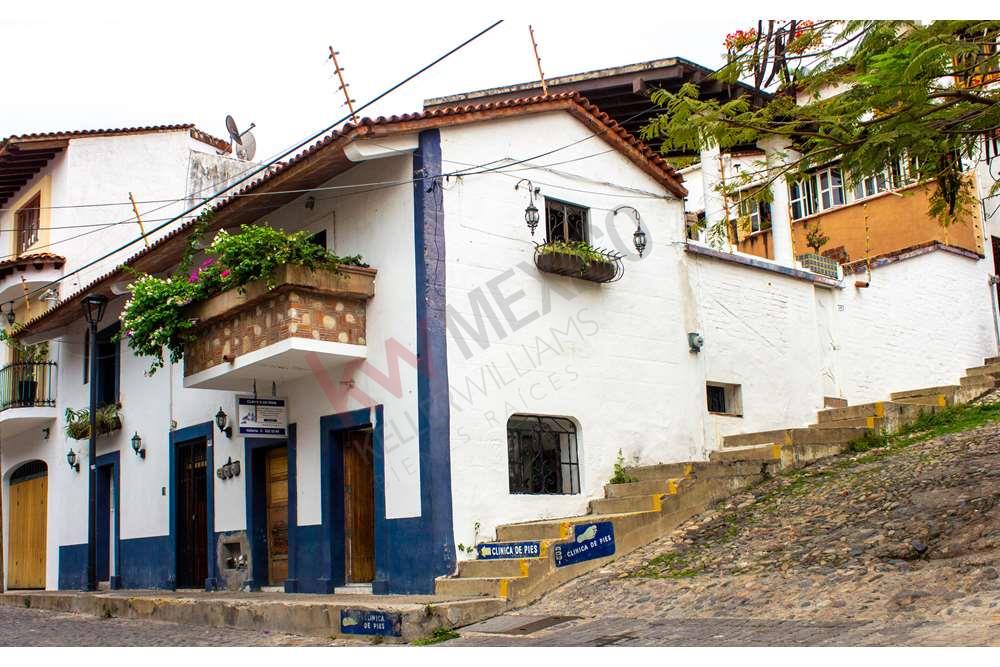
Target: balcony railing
x=28 y=384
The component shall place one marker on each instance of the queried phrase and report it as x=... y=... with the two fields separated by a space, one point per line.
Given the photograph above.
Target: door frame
x=206 y=431
x=332 y=495
x=113 y=460
x=253 y=453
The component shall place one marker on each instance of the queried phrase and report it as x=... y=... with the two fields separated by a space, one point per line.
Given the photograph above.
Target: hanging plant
x=154 y=317
x=78 y=421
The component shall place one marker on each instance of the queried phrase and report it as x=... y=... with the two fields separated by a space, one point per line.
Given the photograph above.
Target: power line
x=269 y=164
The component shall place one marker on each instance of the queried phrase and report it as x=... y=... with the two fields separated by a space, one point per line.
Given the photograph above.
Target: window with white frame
x=802 y=197
x=830 y=184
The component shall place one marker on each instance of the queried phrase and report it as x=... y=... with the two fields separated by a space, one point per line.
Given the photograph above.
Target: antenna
x=244 y=143
x=538 y=61
x=349 y=103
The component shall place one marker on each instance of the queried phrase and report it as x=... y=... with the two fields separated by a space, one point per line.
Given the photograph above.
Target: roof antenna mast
x=349 y=103
x=538 y=61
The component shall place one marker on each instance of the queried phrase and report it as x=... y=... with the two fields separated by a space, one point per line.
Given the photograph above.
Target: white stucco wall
x=920 y=323
x=611 y=357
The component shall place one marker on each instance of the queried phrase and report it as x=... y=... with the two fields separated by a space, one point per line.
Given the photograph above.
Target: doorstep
x=410 y=616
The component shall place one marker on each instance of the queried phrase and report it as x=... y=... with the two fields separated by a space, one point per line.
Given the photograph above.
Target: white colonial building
x=474 y=374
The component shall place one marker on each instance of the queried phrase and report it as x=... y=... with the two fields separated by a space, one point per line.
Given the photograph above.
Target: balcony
x=30 y=271
x=27 y=396
x=309 y=318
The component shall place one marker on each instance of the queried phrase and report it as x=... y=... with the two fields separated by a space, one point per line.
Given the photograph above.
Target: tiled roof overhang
x=22 y=156
x=326 y=159
x=38 y=260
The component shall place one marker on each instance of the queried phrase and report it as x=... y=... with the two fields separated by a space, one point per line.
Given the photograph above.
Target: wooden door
x=359 y=507
x=276 y=476
x=28 y=516
x=192 y=515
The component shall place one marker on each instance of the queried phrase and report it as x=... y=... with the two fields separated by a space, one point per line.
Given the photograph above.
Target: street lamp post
x=93 y=310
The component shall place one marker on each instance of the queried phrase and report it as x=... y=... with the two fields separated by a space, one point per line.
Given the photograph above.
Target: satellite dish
x=249 y=145
x=244 y=144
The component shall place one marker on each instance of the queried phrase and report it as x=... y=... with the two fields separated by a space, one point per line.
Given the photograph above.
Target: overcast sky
x=96 y=65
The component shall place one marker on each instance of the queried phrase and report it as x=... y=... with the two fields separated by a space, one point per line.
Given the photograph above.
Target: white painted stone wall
x=920 y=323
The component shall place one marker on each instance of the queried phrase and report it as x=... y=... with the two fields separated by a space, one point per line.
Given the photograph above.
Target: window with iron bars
x=565 y=222
x=542 y=455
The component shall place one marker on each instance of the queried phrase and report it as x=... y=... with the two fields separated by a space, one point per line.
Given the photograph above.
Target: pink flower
x=224 y=274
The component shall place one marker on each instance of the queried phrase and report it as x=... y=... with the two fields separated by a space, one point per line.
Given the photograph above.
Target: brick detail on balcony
x=287 y=311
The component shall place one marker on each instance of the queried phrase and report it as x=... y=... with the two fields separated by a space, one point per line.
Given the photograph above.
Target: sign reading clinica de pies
x=262 y=417
x=498 y=550
x=590 y=541
x=370 y=622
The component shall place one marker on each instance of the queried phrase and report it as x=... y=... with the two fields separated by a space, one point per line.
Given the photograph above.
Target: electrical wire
x=271 y=163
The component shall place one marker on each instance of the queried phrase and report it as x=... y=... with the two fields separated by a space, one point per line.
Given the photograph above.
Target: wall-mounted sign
x=497 y=550
x=368 y=622
x=262 y=417
x=590 y=541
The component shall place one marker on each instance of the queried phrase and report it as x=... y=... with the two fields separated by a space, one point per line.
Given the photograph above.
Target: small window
x=26 y=223
x=724 y=399
x=565 y=222
x=319 y=238
x=831 y=187
x=802 y=197
x=542 y=456
x=108 y=365
x=756 y=213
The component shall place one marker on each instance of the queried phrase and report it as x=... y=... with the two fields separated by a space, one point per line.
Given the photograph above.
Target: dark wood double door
x=191 y=513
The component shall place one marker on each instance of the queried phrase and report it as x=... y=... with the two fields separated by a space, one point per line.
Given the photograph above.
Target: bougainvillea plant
x=154 y=317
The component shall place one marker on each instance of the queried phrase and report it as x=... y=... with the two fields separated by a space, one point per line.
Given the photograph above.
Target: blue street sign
x=590 y=541
x=497 y=550
x=368 y=622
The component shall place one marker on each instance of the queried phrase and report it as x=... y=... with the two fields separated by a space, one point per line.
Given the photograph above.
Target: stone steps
x=665 y=495
x=794 y=436
x=986 y=369
x=938 y=396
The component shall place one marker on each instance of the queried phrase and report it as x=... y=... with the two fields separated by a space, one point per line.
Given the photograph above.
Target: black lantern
x=639 y=239
x=137 y=447
x=10 y=314
x=638 y=236
x=531 y=216
x=93 y=307
x=71 y=459
x=222 y=421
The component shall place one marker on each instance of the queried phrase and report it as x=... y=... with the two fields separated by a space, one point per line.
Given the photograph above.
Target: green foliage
x=78 y=421
x=815 y=238
x=916 y=91
x=153 y=318
x=436 y=637
x=579 y=249
x=35 y=353
x=619 y=475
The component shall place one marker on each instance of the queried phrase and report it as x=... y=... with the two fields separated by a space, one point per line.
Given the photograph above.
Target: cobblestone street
x=887 y=547
x=30 y=627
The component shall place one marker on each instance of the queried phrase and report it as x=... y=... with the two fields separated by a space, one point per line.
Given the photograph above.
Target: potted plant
x=578 y=260
x=27 y=384
x=78 y=421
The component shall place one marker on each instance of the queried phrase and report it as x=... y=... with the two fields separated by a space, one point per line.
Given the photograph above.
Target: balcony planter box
x=321 y=305
x=565 y=264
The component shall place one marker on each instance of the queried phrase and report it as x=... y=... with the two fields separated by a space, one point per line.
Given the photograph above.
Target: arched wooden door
x=28 y=515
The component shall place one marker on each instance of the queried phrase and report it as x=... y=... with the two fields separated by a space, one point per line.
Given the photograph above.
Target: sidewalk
x=392 y=617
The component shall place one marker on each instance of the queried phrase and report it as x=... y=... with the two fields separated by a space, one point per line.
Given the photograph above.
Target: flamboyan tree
x=926 y=93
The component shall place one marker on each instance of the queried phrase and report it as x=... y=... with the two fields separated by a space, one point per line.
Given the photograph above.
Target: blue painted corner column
x=432 y=370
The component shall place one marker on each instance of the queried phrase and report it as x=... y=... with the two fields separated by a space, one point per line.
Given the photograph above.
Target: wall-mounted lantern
x=531 y=216
x=638 y=236
x=229 y=469
x=11 y=318
x=137 y=447
x=222 y=421
x=73 y=460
